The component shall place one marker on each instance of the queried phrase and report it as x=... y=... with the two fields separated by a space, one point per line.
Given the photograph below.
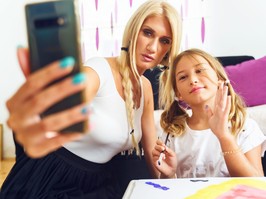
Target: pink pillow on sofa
x=249 y=80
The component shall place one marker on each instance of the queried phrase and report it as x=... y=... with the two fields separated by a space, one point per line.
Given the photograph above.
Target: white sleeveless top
x=110 y=131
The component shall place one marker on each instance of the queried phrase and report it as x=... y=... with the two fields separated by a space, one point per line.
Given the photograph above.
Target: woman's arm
x=39 y=136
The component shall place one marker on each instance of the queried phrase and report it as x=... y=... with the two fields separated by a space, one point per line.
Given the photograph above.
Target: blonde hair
x=127 y=59
x=174 y=117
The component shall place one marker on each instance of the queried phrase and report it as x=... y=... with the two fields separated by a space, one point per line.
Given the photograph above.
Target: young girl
x=215 y=138
x=57 y=165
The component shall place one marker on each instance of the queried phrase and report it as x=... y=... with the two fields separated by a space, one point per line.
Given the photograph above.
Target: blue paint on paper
x=157 y=186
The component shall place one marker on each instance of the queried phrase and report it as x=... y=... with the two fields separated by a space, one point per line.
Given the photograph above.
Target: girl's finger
x=228 y=105
x=159 y=142
x=216 y=101
x=224 y=100
x=169 y=152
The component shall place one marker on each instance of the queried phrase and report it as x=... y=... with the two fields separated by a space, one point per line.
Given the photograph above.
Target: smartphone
x=53 y=33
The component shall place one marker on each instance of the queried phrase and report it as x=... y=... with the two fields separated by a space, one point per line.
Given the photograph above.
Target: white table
x=187 y=187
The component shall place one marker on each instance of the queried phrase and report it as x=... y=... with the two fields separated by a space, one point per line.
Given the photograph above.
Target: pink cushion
x=249 y=80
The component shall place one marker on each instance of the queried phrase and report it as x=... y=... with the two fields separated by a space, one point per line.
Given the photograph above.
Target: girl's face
x=196 y=81
x=153 y=42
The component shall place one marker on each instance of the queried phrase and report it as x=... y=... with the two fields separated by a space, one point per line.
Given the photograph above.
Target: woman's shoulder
x=96 y=62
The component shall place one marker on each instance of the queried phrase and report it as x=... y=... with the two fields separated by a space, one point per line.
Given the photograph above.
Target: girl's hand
x=39 y=136
x=168 y=163
x=218 y=117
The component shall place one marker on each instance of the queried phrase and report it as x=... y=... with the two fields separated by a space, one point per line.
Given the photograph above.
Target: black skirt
x=60 y=174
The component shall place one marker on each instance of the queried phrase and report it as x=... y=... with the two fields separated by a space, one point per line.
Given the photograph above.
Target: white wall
x=238 y=27
x=233 y=27
x=12 y=34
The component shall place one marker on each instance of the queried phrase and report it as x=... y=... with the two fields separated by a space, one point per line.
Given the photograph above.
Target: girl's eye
x=183 y=77
x=200 y=70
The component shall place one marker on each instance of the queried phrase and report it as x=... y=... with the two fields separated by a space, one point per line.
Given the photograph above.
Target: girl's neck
x=198 y=119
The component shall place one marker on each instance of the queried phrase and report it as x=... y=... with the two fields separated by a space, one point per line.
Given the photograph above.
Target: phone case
x=54 y=33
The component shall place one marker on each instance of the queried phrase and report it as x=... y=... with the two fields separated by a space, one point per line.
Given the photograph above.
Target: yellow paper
x=214 y=191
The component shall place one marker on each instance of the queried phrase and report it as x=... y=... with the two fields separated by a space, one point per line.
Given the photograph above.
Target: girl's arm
x=238 y=164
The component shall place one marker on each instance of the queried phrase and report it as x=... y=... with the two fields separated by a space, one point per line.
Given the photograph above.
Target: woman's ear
x=166 y=56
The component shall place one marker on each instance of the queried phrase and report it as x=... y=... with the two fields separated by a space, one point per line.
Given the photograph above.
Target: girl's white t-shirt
x=199 y=153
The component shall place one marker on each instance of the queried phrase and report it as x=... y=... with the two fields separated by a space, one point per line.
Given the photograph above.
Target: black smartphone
x=54 y=33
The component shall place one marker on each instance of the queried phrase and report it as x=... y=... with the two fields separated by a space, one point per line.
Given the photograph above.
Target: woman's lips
x=147 y=58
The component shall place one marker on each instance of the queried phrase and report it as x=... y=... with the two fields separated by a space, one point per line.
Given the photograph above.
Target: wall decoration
x=103 y=22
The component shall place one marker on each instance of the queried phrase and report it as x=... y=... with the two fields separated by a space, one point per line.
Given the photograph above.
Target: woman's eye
x=147 y=32
x=166 y=41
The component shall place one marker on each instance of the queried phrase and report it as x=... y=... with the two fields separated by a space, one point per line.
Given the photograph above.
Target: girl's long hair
x=174 y=116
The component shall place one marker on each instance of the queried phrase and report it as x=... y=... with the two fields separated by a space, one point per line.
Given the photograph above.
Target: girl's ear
x=177 y=94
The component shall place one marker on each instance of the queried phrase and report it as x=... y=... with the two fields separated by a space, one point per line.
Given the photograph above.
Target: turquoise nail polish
x=79 y=78
x=88 y=109
x=67 y=62
x=84 y=110
x=19 y=46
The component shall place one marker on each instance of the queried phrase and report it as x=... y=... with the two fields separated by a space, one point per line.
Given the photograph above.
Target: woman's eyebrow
x=145 y=26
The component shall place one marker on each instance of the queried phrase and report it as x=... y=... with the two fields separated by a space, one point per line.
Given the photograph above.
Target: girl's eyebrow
x=180 y=72
x=196 y=65
x=200 y=64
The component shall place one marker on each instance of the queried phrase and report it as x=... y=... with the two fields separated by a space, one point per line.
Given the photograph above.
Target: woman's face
x=153 y=42
x=196 y=81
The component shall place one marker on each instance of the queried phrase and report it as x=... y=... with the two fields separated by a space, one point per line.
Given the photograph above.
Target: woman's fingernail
x=67 y=62
x=78 y=78
x=87 y=110
x=206 y=106
x=20 y=46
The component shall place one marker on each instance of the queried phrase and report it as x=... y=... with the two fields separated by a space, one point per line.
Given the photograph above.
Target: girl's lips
x=195 y=89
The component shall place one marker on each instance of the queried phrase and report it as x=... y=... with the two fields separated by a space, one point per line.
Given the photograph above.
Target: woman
x=215 y=137
x=121 y=115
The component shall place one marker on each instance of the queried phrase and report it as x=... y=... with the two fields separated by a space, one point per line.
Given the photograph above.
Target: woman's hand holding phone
x=40 y=135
